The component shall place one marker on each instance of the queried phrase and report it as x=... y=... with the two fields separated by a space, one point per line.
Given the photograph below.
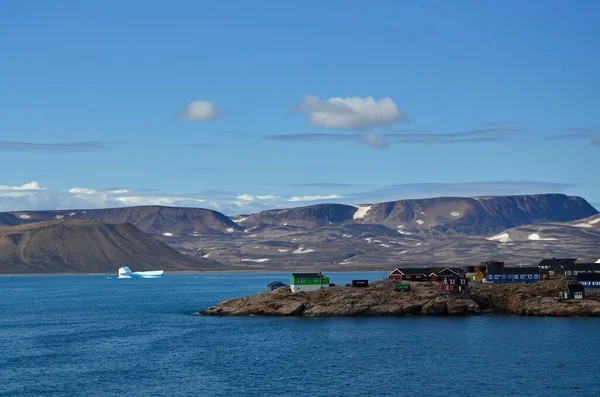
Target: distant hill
x=439 y=217
x=309 y=217
x=154 y=220
x=84 y=246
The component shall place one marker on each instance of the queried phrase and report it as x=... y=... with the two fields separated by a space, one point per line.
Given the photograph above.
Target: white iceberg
x=125 y=272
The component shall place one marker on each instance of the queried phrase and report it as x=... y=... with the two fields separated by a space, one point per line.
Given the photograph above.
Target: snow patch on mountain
x=239 y=220
x=384 y=245
x=256 y=260
x=594 y=221
x=229 y=230
x=302 y=251
x=361 y=212
x=24 y=216
x=59 y=216
x=167 y=234
x=454 y=213
x=502 y=237
x=420 y=222
x=582 y=225
x=282 y=250
x=535 y=236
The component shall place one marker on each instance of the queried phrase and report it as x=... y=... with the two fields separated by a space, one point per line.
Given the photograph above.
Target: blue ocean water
x=90 y=336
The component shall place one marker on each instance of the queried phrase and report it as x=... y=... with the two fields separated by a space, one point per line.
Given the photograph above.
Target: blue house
x=590 y=281
x=274 y=285
x=514 y=275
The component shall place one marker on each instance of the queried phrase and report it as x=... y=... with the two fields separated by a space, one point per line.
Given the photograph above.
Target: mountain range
x=446 y=230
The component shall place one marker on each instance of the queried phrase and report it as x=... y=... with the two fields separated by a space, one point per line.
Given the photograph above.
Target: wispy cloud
x=314 y=198
x=199 y=110
x=569 y=136
x=352 y=113
x=323 y=184
x=384 y=140
x=501 y=123
x=64 y=147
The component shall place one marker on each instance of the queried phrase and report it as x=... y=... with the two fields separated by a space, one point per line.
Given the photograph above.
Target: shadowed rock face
x=83 y=246
x=308 y=217
x=447 y=216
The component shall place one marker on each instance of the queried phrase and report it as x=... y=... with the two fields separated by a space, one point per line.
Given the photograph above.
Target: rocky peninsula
x=380 y=299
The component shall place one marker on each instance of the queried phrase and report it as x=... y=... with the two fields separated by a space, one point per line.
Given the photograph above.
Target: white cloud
x=352 y=113
x=199 y=110
x=245 y=197
x=82 y=190
x=313 y=198
x=33 y=185
x=267 y=197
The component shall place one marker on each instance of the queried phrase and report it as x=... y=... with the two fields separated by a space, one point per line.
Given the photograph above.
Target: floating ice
x=125 y=272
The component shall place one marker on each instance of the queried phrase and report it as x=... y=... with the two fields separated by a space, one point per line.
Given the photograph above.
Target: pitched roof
x=575 y=288
x=556 y=263
x=275 y=283
x=307 y=275
x=514 y=270
x=588 y=277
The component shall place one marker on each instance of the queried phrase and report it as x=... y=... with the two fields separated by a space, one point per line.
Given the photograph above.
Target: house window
x=568 y=273
x=504 y=277
x=301 y=281
x=522 y=277
x=575 y=272
x=530 y=276
x=536 y=276
x=495 y=277
x=490 y=277
x=510 y=276
x=316 y=280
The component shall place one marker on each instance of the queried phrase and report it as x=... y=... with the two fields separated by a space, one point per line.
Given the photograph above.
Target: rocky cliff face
x=309 y=217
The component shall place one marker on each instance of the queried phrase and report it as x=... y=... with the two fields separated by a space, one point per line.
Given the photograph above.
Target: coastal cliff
x=380 y=299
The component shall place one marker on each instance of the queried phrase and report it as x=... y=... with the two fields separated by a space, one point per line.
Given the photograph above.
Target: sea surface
x=93 y=336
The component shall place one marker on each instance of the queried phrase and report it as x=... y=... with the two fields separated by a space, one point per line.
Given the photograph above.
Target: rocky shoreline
x=380 y=299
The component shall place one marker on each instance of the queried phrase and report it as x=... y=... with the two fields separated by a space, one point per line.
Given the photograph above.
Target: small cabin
x=454 y=285
x=554 y=267
x=360 y=283
x=307 y=282
x=475 y=276
x=401 y=287
x=274 y=285
x=573 y=291
x=395 y=274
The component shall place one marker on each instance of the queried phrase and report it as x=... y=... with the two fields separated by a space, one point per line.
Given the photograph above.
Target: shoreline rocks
x=381 y=300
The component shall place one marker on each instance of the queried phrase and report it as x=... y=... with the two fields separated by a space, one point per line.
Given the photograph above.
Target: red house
x=454 y=285
x=396 y=274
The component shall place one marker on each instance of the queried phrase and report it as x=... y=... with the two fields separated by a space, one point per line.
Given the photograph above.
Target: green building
x=306 y=282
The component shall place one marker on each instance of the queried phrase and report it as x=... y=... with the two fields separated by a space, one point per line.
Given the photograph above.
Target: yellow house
x=477 y=276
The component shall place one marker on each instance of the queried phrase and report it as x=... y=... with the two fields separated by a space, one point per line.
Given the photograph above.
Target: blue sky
x=228 y=105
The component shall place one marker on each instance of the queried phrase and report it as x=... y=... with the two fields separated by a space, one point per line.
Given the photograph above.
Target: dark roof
x=588 y=277
x=583 y=267
x=514 y=270
x=575 y=288
x=307 y=275
x=275 y=283
x=429 y=270
x=555 y=263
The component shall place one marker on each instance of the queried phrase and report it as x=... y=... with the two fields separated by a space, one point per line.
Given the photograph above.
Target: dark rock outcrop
x=379 y=299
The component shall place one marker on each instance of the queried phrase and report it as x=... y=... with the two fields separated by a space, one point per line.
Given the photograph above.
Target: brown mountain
x=154 y=220
x=85 y=246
